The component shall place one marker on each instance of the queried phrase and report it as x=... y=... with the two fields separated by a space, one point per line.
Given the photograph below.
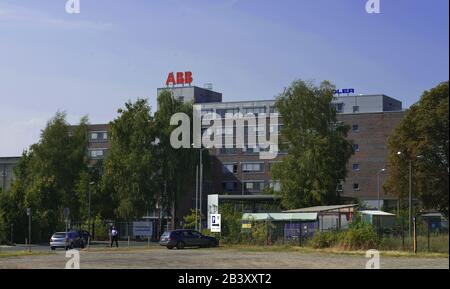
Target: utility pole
x=201 y=186
x=378 y=182
x=89 y=207
x=410 y=198
x=29 y=229
x=196 y=198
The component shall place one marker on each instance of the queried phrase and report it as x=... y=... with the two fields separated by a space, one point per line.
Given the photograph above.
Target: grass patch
x=21 y=254
x=438 y=244
x=327 y=251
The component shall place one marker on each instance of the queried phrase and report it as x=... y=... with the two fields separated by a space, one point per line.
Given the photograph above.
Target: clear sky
x=114 y=50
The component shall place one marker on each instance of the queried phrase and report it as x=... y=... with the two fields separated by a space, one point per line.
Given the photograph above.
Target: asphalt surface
x=94 y=245
x=156 y=257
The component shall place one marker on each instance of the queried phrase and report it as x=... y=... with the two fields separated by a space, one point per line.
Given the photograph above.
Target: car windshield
x=165 y=234
x=59 y=235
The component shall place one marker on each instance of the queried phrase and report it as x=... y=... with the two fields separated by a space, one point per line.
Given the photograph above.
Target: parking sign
x=215 y=223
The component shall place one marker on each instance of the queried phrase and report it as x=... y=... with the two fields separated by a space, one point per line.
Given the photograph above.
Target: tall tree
x=423 y=132
x=129 y=172
x=46 y=178
x=318 y=149
x=177 y=165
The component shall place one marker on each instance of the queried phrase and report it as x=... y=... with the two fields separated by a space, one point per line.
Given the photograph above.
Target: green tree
x=318 y=149
x=177 y=166
x=46 y=178
x=424 y=131
x=129 y=170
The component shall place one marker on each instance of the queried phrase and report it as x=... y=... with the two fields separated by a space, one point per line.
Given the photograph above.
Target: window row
x=355 y=186
x=98 y=136
x=251 y=186
x=250 y=167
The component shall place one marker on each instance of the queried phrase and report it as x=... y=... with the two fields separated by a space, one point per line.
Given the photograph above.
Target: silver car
x=67 y=240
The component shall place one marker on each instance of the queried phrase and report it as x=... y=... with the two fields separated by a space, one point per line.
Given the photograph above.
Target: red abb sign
x=181 y=78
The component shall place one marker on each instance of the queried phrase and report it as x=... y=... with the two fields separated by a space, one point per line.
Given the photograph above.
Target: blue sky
x=113 y=51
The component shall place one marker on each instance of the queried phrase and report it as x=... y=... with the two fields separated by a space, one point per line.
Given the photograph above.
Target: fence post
x=428 y=234
x=415 y=235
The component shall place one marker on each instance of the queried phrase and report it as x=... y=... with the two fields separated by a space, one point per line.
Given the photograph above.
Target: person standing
x=114 y=236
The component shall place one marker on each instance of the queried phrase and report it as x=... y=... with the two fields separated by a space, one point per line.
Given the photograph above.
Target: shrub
x=360 y=236
x=324 y=240
x=261 y=232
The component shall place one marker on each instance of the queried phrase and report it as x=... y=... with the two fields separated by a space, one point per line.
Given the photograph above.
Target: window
x=355 y=187
x=253 y=167
x=355 y=108
x=254 y=186
x=355 y=128
x=254 y=110
x=207 y=110
x=230 y=168
x=356 y=147
x=355 y=167
x=181 y=98
x=273 y=109
x=98 y=136
x=339 y=107
x=227 y=151
x=97 y=153
x=224 y=112
x=275 y=186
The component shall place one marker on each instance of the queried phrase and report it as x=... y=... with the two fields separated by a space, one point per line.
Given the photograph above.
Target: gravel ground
x=161 y=258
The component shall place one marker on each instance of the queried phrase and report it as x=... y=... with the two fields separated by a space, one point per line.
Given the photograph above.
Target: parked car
x=69 y=240
x=186 y=238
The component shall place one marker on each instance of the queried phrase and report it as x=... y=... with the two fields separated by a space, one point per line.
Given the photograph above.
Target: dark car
x=186 y=238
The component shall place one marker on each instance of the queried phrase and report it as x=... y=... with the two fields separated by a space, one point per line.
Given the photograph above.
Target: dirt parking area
x=222 y=258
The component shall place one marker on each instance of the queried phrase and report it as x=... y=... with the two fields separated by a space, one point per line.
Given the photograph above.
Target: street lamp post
x=89 y=207
x=419 y=157
x=201 y=186
x=196 y=198
x=242 y=184
x=378 y=181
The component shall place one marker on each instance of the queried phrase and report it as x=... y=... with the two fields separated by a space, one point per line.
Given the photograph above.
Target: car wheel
x=53 y=248
x=180 y=245
x=170 y=247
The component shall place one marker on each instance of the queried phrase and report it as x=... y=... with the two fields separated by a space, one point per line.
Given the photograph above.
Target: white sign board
x=213 y=207
x=216 y=223
x=142 y=229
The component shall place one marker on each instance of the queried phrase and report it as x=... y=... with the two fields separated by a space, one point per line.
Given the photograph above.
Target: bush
x=360 y=236
x=261 y=232
x=324 y=240
x=231 y=224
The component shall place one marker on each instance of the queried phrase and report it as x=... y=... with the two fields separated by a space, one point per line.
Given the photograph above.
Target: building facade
x=371 y=118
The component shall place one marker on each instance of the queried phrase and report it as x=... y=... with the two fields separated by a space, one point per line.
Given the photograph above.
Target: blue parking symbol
x=214 y=219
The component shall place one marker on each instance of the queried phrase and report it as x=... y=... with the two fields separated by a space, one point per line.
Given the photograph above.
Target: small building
x=330 y=217
x=378 y=219
x=288 y=226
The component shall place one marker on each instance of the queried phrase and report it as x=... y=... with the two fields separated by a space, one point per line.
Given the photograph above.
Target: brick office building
x=235 y=171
